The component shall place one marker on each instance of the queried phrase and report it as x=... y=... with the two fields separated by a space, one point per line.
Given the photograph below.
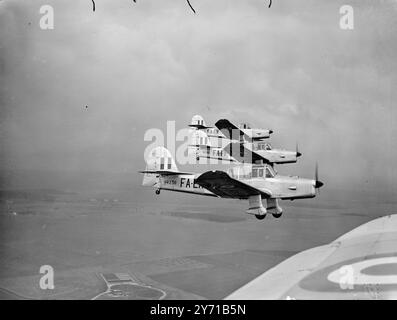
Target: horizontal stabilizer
x=199 y=126
x=198 y=122
x=164 y=172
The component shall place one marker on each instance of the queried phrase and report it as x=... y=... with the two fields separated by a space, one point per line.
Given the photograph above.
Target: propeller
x=298 y=154
x=318 y=183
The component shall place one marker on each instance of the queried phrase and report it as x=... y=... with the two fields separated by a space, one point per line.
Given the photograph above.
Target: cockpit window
x=245 y=126
x=257 y=173
x=247 y=172
x=262 y=146
x=269 y=173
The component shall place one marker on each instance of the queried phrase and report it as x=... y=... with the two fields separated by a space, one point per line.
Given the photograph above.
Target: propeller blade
x=298 y=154
x=316 y=172
x=318 y=183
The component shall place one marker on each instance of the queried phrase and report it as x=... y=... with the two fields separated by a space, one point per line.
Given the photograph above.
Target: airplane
x=261 y=151
x=361 y=264
x=226 y=130
x=244 y=131
x=257 y=183
x=240 y=152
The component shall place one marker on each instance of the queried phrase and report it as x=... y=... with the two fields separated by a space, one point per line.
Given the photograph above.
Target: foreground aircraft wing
x=221 y=184
x=362 y=264
x=165 y=172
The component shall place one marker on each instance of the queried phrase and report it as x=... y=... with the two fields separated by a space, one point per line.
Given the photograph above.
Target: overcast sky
x=136 y=65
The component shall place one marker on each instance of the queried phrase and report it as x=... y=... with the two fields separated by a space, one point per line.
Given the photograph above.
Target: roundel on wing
x=357 y=274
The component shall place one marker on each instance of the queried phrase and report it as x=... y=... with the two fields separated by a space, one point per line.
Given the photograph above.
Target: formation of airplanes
x=252 y=176
x=236 y=144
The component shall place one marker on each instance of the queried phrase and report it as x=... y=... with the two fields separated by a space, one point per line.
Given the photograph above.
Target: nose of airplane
x=270 y=131
x=298 y=154
x=318 y=184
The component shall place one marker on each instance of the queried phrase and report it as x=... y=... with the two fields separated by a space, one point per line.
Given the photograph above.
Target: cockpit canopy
x=245 y=126
x=213 y=132
x=262 y=146
x=244 y=172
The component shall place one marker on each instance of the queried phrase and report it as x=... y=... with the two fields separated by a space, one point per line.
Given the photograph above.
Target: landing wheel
x=158 y=191
x=277 y=215
x=260 y=216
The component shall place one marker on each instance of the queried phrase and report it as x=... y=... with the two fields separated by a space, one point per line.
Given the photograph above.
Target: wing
x=362 y=264
x=164 y=172
x=227 y=128
x=199 y=126
x=221 y=184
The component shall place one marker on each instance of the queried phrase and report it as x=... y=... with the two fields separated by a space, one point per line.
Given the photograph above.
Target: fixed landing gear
x=158 y=191
x=263 y=216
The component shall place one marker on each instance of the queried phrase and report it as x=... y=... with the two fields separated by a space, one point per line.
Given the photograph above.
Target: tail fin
x=159 y=162
x=160 y=159
x=198 y=122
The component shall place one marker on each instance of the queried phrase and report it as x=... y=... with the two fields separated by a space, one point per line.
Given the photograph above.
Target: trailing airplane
x=257 y=183
x=227 y=130
x=261 y=151
x=361 y=264
x=244 y=131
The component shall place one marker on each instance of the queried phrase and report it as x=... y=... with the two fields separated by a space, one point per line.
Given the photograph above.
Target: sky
x=290 y=68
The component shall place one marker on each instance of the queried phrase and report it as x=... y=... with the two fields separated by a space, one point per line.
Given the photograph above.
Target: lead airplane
x=257 y=183
x=227 y=130
x=244 y=131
